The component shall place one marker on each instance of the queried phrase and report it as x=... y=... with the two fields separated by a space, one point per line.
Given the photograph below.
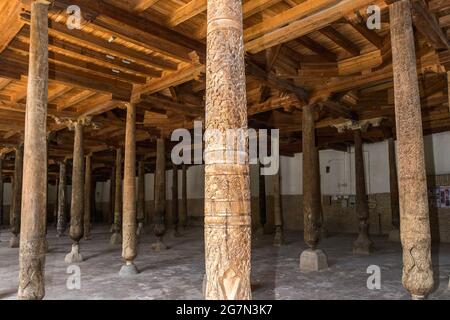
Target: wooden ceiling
x=153 y=53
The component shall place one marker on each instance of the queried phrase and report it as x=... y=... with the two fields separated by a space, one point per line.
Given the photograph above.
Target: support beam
x=175 y=213
x=394 y=234
x=116 y=238
x=278 y=239
x=184 y=221
x=34 y=192
x=363 y=244
x=129 y=227
x=15 y=212
x=77 y=203
x=141 y=198
x=160 y=196
x=414 y=213
x=227 y=185
x=61 y=218
x=87 y=197
x=312 y=259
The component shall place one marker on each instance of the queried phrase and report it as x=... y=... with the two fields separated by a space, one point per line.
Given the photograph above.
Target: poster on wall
x=445 y=197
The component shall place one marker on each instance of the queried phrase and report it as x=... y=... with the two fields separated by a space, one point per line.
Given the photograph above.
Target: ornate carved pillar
x=87 y=197
x=61 y=218
x=175 y=216
x=363 y=244
x=141 y=198
x=112 y=192
x=414 y=211
x=278 y=239
x=76 y=229
x=160 y=196
x=116 y=238
x=34 y=193
x=129 y=244
x=394 y=235
x=183 y=209
x=312 y=259
x=227 y=183
x=16 y=203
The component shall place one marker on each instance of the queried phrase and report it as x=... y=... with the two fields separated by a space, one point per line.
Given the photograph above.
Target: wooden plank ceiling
x=153 y=53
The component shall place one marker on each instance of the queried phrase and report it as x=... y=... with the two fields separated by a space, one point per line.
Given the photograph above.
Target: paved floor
x=177 y=273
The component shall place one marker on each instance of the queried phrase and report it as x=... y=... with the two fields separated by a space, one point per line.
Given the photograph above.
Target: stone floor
x=177 y=273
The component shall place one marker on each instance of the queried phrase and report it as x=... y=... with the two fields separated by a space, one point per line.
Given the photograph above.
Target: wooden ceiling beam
x=340 y=40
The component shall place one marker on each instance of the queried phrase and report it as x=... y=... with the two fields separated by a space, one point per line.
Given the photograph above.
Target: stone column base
x=362 y=245
x=394 y=235
x=313 y=260
x=74 y=256
x=128 y=269
x=14 y=242
x=140 y=229
x=278 y=239
x=116 y=239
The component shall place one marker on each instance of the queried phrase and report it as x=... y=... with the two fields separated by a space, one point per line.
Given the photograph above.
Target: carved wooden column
x=61 y=217
x=87 y=197
x=394 y=235
x=76 y=229
x=34 y=193
x=160 y=196
x=414 y=211
x=129 y=226
x=278 y=239
x=363 y=244
x=116 y=238
x=112 y=192
x=183 y=209
x=227 y=185
x=141 y=198
x=175 y=216
x=55 y=206
x=312 y=259
x=1 y=189
x=16 y=203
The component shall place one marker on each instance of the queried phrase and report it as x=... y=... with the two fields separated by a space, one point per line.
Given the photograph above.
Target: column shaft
x=76 y=230
x=277 y=211
x=129 y=243
x=1 y=190
x=311 y=179
x=88 y=197
x=61 y=223
x=393 y=180
x=183 y=209
x=16 y=203
x=112 y=194
x=175 y=215
x=363 y=244
x=414 y=211
x=160 y=192
x=141 y=193
x=116 y=238
x=227 y=183
x=34 y=194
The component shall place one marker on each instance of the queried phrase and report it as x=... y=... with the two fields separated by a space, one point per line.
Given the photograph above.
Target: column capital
x=362 y=125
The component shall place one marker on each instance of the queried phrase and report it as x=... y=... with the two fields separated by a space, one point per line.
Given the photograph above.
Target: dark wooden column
x=394 y=234
x=227 y=185
x=55 y=205
x=160 y=196
x=1 y=189
x=112 y=192
x=34 y=194
x=414 y=212
x=16 y=203
x=61 y=218
x=129 y=226
x=141 y=198
x=363 y=244
x=311 y=259
x=175 y=215
x=262 y=201
x=76 y=229
x=88 y=197
x=278 y=239
x=183 y=209
x=116 y=238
